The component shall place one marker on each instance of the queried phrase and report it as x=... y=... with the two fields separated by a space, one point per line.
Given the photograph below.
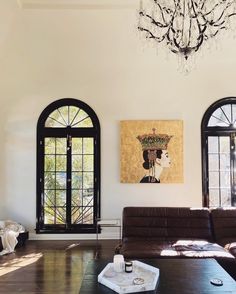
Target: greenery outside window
x=218 y=132
x=68 y=168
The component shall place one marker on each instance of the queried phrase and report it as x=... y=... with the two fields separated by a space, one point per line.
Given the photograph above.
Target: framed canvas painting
x=151 y=151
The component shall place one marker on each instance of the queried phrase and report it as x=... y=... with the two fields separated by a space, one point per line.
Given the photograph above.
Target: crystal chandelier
x=185 y=25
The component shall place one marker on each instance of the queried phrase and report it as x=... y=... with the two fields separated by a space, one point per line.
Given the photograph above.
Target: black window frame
x=220 y=131
x=43 y=132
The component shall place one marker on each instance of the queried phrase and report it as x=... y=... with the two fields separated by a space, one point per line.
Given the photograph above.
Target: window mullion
x=232 y=166
x=68 y=182
x=40 y=183
x=220 y=202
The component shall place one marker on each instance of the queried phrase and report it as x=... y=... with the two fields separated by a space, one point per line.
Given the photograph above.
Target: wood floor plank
x=50 y=266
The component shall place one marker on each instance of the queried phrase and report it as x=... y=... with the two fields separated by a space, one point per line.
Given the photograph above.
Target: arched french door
x=218 y=130
x=68 y=168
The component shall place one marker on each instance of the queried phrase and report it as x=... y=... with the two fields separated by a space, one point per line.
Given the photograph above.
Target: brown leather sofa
x=180 y=232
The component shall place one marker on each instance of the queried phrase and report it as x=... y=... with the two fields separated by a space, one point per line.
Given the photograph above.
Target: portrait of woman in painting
x=155 y=155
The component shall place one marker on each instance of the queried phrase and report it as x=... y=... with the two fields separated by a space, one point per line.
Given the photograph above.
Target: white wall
x=97 y=56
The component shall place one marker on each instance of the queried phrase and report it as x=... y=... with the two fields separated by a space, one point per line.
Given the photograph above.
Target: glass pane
x=86 y=123
x=49 y=180
x=213 y=161
x=227 y=112
x=88 y=215
x=56 y=119
x=76 y=215
x=76 y=162
x=60 y=180
x=225 y=179
x=73 y=112
x=49 y=145
x=219 y=153
x=88 y=162
x=88 y=192
x=77 y=146
x=225 y=162
x=49 y=163
x=218 y=119
x=61 y=146
x=212 y=122
x=77 y=198
x=214 y=198
x=88 y=201
x=82 y=215
x=87 y=180
x=51 y=123
x=213 y=144
x=49 y=197
x=61 y=162
x=225 y=197
x=49 y=215
x=64 y=114
x=80 y=118
x=76 y=182
x=60 y=215
x=213 y=179
x=88 y=145
x=60 y=197
x=224 y=144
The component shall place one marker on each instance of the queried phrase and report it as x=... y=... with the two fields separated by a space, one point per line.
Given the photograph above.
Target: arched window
x=218 y=131
x=68 y=168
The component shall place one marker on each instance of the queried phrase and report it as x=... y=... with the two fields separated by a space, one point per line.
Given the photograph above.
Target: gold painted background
x=132 y=155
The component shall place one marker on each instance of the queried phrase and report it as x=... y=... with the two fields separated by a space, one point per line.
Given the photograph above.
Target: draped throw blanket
x=9 y=231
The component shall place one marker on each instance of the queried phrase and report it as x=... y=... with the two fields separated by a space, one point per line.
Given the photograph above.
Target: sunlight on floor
x=72 y=246
x=19 y=262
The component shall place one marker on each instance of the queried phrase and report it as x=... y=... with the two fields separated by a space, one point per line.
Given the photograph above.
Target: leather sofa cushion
x=167 y=223
x=136 y=248
x=224 y=225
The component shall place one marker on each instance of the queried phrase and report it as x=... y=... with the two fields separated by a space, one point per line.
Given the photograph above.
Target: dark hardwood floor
x=50 y=266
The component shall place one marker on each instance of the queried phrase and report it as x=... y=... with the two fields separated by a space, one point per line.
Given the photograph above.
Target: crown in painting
x=154 y=141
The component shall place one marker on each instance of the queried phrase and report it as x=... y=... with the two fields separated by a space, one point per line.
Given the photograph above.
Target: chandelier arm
x=218 y=4
x=194 y=8
x=223 y=21
x=152 y=36
x=232 y=14
x=222 y=14
x=201 y=37
x=187 y=48
x=203 y=4
x=168 y=10
x=216 y=23
x=176 y=2
x=199 y=26
x=157 y=23
x=229 y=15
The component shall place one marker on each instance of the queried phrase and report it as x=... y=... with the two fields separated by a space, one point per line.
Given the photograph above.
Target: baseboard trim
x=102 y=236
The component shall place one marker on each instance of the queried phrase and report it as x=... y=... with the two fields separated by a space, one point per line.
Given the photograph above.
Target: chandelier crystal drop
x=184 y=25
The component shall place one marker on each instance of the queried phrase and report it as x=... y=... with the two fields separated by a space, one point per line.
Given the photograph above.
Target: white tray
x=123 y=282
